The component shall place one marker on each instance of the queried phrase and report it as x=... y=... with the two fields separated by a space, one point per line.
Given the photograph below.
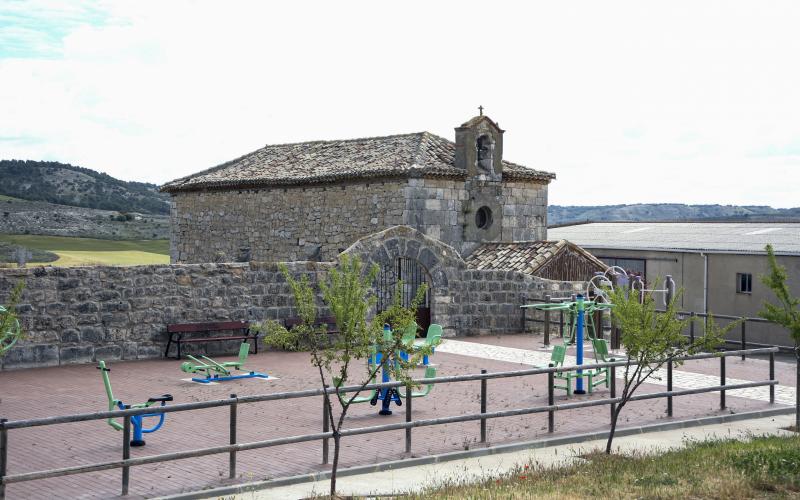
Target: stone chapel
x=312 y=200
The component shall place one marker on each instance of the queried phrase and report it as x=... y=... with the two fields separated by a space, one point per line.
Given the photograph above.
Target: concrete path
x=415 y=479
x=680 y=379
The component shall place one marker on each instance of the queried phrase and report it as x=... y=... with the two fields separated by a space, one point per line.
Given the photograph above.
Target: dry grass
x=760 y=468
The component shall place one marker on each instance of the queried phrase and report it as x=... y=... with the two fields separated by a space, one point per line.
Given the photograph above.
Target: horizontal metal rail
x=101 y=415
x=126 y=462
x=166 y=457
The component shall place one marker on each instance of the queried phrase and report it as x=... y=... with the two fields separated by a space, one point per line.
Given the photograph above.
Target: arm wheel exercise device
x=136 y=420
x=220 y=372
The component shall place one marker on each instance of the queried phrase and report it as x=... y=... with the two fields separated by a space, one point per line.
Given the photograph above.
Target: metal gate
x=412 y=274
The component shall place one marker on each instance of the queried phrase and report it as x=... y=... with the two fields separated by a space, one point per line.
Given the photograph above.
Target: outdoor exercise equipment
x=388 y=395
x=432 y=338
x=578 y=309
x=668 y=291
x=10 y=330
x=220 y=372
x=599 y=285
x=136 y=420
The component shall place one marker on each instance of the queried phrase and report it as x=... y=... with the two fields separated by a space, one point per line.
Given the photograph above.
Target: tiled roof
x=525 y=256
x=722 y=237
x=420 y=154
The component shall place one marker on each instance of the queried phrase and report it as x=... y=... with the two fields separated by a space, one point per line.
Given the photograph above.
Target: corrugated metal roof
x=738 y=237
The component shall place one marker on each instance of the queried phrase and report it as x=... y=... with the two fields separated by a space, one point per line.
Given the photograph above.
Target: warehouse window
x=744 y=283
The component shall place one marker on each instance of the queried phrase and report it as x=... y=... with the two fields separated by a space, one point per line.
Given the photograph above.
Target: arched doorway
x=413 y=275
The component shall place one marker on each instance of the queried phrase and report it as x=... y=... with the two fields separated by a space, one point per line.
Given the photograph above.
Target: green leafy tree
x=10 y=329
x=341 y=359
x=651 y=340
x=785 y=313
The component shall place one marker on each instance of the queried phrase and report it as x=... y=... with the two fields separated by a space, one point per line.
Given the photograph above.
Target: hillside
x=557 y=214
x=41 y=218
x=64 y=184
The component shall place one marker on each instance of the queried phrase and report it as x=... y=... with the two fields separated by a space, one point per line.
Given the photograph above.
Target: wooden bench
x=240 y=331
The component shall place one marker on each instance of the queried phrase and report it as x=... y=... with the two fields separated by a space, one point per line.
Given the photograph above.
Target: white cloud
x=626 y=102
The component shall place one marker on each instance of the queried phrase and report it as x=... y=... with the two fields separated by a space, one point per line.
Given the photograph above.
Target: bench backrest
x=208 y=327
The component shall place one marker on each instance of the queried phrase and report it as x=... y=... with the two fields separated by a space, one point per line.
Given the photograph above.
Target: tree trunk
x=335 y=464
x=613 y=428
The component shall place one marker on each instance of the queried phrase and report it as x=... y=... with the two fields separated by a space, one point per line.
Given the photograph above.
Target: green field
x=88 y=251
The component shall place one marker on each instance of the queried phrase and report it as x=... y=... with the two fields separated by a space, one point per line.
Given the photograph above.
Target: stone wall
x=445 y=210
x=280 y=224
x=318 y=222
x=79 y=315
x=464 y=301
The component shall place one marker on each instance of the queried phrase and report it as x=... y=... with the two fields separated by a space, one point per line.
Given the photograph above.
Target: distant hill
x=557 y=214
x=65 y=184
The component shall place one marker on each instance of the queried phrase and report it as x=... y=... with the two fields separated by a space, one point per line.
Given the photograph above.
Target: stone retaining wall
x=79 y=315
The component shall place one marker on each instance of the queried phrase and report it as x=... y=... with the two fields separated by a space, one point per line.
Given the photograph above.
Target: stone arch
x=441 y=262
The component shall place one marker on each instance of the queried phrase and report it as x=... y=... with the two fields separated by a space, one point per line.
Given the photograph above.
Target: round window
x=483 y=217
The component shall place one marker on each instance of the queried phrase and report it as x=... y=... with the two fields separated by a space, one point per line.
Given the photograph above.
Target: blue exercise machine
x=136 y=420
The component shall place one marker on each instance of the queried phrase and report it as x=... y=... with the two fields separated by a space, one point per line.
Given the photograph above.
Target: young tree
x=651 y=340
x=786 y=313
x=340 y=358
x=10 y=330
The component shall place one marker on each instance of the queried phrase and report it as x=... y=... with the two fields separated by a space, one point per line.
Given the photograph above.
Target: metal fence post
x=547 y=322
x=126 y=453
x=691 y=329
x=772 y=377
x=551 y=416
x=326 y=427
x=669 y=387
x=3 y=456
x=722 y=382
x=483 y=407
x=561 y=323
x=232 y=457
x=408 y=418
x=744 y=337
x=613 y=406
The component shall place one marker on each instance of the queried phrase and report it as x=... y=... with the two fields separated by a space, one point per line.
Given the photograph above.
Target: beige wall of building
x=687 y=269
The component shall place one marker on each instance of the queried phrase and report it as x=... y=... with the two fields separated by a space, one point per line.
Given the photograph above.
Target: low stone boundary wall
x=82 y=314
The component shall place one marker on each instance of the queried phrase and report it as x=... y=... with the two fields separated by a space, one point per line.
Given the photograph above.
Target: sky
x=627 y=102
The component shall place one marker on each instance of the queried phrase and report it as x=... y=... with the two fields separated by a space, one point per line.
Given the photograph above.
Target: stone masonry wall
x=317 y=222
x=445 y=209
x=281 y=224
x=82 y=314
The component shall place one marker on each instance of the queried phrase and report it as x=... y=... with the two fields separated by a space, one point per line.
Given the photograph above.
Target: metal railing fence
x=546 y=317
x=234 y=401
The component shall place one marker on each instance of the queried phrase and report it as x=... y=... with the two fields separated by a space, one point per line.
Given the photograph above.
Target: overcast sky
x=627 y=102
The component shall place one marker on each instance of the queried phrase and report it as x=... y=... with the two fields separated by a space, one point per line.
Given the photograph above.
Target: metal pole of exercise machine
x=579 y=344
x=386 y=392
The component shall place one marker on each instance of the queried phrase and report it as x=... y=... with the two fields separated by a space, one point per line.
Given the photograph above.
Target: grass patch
x=88 y=251
x=767 y=467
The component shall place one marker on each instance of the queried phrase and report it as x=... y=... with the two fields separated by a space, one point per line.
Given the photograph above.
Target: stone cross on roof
x=480 y=110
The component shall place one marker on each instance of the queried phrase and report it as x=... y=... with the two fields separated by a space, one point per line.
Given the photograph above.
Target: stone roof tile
x=523 y=256
x=420 y=154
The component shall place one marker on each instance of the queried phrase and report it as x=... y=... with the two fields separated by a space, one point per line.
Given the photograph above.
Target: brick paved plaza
x=75 y=389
